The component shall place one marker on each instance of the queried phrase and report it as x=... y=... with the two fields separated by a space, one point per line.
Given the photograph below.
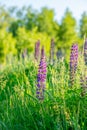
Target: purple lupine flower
x=52 y=51
x=41 y=76
x=37 y=50
x=73 y=62
x=83 y=78
x=85 y=52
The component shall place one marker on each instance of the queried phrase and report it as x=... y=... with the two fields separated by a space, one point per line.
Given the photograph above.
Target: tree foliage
x=83 y=25
x=67 y=32
x=21 y=28
x=7 y=45
x=27 y=39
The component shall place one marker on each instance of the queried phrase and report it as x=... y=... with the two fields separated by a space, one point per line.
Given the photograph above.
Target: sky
x=77 y=7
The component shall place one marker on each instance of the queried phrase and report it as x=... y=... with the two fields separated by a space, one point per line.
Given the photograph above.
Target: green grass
x=62 y=109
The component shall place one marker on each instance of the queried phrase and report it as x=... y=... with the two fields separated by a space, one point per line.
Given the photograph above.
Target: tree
x=43 y=20
x=46 y=22
x=83 y=25
x=18 y=20
x=5 y=18
x=30 y=18
x=67 y=31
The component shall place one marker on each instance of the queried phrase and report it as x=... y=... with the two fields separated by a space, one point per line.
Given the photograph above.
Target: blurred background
x=23 y=22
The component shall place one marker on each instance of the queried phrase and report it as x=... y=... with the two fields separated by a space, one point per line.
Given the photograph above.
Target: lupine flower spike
x=73 y=62
x=83 y=85
x=41 y=77
x=37 y=50
x=85 y=52
x=52 y=51
x=84 y=77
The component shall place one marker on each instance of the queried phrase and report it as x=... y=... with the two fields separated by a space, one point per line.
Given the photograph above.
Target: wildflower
x=37 y=50
x=83 y=81
x=85 y=52
x=83 y=78
x=73 y=62
x=41 y=77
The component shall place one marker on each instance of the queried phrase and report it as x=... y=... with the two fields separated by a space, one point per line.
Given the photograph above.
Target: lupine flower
x=84 y=77
x=41 y=76
x=52 y=51
x=73 y=62
x=85 y=52
x=37 y=50
x=83 y=81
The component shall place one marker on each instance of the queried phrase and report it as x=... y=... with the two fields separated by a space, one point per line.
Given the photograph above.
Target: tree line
x=21 y=28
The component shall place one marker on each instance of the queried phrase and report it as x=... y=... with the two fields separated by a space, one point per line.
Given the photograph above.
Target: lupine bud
x=37 y=50
x=52 y=51
x=41 y=77
x=85 y=52
x=73 y=62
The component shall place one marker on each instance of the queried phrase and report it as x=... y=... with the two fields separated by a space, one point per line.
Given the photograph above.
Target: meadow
x=43 y=83
x=63 y=106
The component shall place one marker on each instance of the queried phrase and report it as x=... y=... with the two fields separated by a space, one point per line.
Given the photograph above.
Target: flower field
x=49 y=97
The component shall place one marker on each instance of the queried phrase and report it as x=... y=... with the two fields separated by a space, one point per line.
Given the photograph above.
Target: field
x=43 y=65
x=63 y=107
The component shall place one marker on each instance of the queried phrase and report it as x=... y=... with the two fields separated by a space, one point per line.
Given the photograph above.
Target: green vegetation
x=62 y=109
